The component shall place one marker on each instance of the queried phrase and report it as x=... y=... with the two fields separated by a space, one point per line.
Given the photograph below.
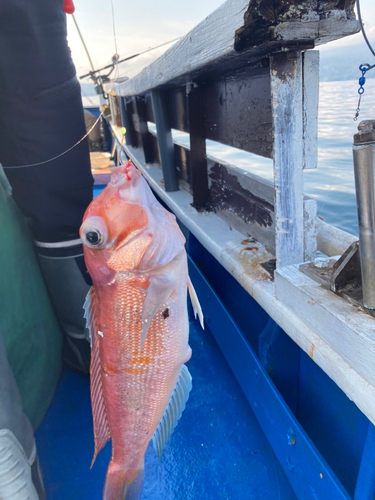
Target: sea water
x=332 y=183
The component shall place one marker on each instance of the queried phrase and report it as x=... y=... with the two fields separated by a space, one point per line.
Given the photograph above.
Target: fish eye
x=94 y=232
x=94 y=237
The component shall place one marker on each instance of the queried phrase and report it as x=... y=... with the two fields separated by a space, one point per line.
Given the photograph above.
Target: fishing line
x=363 y=67
x=61 y=154
x=363 y=29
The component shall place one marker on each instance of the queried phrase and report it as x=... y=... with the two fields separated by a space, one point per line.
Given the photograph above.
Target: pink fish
x=137 y=315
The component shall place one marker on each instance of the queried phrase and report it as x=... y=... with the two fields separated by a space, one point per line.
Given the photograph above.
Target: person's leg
x=41 y=117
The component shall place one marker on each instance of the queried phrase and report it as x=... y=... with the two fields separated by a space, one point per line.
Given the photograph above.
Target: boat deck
x=218 y=450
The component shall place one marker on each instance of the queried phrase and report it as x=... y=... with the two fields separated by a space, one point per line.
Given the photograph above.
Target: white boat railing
x=252 y=82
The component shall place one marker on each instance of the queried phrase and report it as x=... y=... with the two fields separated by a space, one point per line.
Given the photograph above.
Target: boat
x=283 y=404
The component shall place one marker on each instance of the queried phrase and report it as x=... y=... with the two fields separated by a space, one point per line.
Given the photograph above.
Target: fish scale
x=137 y=316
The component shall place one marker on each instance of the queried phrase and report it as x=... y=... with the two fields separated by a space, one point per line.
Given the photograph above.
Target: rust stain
x=249 y=249
x=247 y=241
x=251 y=265
x=311 y=351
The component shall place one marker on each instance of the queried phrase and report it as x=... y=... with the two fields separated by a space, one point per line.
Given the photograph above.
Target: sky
x=142 y=24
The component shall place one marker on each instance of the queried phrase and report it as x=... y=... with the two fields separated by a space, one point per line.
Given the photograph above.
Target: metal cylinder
x=364 y=172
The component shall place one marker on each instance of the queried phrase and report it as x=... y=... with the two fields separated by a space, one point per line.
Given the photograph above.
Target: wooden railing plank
x=286 y=94
x=310 y=108
x=198 y=160
x=165 y=141
x=241 y=31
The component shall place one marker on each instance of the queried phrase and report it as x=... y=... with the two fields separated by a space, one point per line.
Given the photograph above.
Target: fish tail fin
x=118 y=487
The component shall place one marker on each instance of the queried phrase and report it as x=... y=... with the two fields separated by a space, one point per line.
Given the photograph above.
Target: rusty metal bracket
x=346 y=274
x=342 y=276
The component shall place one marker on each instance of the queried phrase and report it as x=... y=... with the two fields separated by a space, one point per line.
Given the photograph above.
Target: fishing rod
x=116 y=60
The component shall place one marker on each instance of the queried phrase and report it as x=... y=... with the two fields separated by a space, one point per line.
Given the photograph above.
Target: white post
x=286 y=102
x=310 y=108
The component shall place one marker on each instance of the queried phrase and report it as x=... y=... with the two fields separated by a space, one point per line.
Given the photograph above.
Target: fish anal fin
x=101 y=427
x=158 y=292
x=173 y=412
x=195 y=303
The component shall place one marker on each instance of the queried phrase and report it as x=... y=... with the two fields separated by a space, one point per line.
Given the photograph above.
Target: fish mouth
x=124 y=173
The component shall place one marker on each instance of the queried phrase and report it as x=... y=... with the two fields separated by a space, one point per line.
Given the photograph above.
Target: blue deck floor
x=218 y=450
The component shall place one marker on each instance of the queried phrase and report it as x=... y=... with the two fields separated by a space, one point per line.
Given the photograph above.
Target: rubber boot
x=68 y=282
x=20 y=476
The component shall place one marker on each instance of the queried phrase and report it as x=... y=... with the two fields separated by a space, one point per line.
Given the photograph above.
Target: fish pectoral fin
x=173 y=412
x=99 y=415
x=157 y=294
x=195 y=303
x=88 y=307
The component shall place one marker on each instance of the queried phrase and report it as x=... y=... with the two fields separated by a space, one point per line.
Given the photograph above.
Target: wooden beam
x=238 y=110
x=332 y=241
x=146 y=138
x=165 y=141
x=132 y=134
x=310 y=108
x=240 y=31
x=286 y=98
x=198 y=160
x=328 y=314
x=246 y=201
x=125 y=119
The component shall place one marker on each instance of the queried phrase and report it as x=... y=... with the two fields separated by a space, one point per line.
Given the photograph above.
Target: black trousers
x=41 y=116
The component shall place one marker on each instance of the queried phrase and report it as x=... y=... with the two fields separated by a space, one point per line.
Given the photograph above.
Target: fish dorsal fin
x=99 y=415
x=158 y=292
x=173 y=412
x=195 y=303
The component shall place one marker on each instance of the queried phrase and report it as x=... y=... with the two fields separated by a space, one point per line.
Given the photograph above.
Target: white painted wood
x=286 y=101
x=226 y=245
x=342 y=325
x=332 y=241
x=212 y=41
x=266 y=235
x=209 y=41
x=310 y=108
x=335 y=25
x=258 y=186
x=309 y=229
x=317 y=236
